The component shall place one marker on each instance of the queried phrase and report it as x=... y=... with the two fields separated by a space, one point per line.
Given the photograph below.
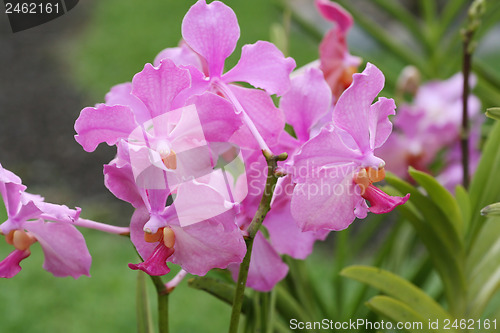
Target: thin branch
x=258 y=219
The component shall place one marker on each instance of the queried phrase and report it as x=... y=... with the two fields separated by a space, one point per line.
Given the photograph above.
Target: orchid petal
x=66 y=253
x=209 y=203
x=285 y=235
x=9 y=267
x=264 y=66
x=217 y=117
x=181 y=56
x=103 y=123
x=380 y=202
x=215 y=243
x=326 y=201
x=120 y=181
x=380 y=126
x=157 y=87
x=269 y=120
x=333 y=12
x=327 y=148
x=212 y=31
x=156 y=264
x=308 y=99
x=266 y=266
x=352 y=111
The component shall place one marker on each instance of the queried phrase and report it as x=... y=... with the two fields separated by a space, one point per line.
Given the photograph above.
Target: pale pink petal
x=120 y=181
x=217 y=117
x=269 y=120
x=213 y=243
x=380 y=126
x=66 y=253
x=307 y=101
x=209 y=203
x=325 y=149
x=181 y=56
x=335 y=13
x=266 y=266
x=381 y=202
x=121 y=94
x=212 y=31
x=285 y=235
x=139 y=219
x=157 y=87
x=26 y=212
x=9 y=267
x=11 y=195
x=103 y=123
x=352 y=110
x=327 y=200
x=264 y=66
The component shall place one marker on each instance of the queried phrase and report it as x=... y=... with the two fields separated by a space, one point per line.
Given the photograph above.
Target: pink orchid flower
x=197 y=231
x=334 y=170
x=337 y=64
x=66 y=253
x=429 y=125
x=211 y=32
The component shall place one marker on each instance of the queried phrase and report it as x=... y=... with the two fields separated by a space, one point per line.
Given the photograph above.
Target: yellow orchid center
x=366 y=176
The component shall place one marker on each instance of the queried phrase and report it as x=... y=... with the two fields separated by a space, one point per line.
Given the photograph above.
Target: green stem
x=162 y=293
x=258 y=219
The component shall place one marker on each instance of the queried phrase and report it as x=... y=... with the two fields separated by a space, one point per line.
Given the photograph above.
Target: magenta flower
x=212 y=31
x=337 y=64
x=66 y=253
x=197 y=231
x=334 y=170
x=429 y=125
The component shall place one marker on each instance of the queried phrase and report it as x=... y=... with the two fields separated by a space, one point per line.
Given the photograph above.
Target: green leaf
x=440 y=239
x=398 y=312
x=485 y=185
x=222 y=290
x=399 y=288
x=483 y=267
x=441 y=197
x=144 y=317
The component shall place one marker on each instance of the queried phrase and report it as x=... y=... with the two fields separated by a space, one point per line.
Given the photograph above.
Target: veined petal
x=266 y=267
x=120 y=181
x=308 y=99
x=103 y=123
x=326 y=201
x=214 y=243
x=325 y=149
x=11 y=195
x=66 y=253
x=285 y=235
x=181 y=56
x=352 y=111
x=212 y=31
x=269 y=120
x=381 y=202
x=335 y=13
x=9 y=267
x=157 y=87
x=209 y=203
x=380 y=126
x=264 y=66
x=217 y=117
x=121 y=94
